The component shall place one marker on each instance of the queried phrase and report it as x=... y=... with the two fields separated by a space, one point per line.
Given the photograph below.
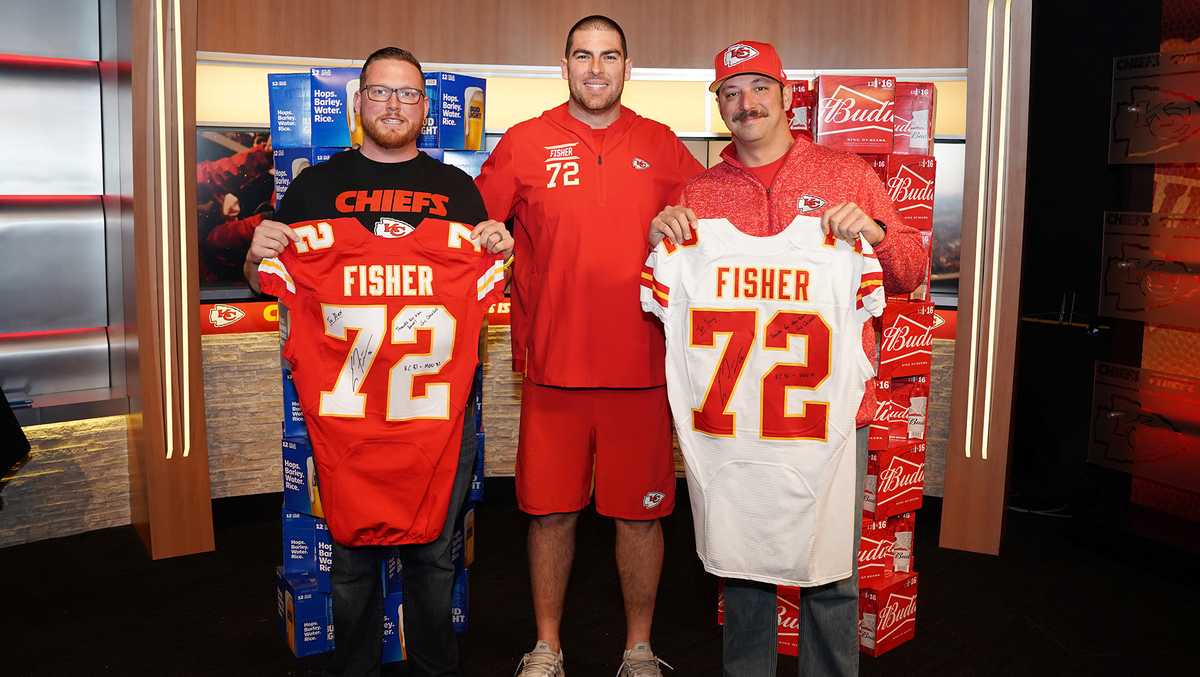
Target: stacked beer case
x=891 y=125
x=312 y=118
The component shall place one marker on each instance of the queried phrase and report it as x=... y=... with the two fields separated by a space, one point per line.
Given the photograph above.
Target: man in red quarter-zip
x=580 y=183
x=766 y=180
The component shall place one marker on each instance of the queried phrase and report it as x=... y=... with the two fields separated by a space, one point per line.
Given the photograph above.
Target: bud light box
x=887 y=613
x=306 y=613
x=456 y=112
x=391 y=573
x=307 y=548
x=334 y=123
x=462 y=543
x=289 y=97
x=293 y=417
x=301 y=489
x=460 y=610
x=394 y=649
x=476 y=491
x=289 y=162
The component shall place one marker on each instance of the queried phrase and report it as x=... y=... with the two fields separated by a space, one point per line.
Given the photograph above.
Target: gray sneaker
x=541 y=662
x=640 y=661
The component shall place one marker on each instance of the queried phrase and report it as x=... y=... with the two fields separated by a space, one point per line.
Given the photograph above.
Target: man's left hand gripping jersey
x=765 y=371
x=383 y=344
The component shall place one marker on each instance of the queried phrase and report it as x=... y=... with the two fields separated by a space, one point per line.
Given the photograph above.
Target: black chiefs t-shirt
x=392 y=196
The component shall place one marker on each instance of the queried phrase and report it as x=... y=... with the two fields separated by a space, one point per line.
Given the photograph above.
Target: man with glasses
x=390 y=187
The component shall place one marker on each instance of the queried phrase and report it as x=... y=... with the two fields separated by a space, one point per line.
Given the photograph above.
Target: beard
x=596 y=103
x=387 y=137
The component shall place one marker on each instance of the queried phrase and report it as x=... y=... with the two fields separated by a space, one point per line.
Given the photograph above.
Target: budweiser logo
x=888 y=411
x=849 y=105
x=879 y=549
x=788 y=618
x=901 y=474
x=899 y=610
x=901 y=126
x=907 y=336
x=904 y=188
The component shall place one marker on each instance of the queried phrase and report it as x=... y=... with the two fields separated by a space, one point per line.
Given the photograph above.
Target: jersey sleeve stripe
x=491 y=278
x=273 y=266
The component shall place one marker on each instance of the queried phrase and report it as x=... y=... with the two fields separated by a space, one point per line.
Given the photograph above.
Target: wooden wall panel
x=677 y=34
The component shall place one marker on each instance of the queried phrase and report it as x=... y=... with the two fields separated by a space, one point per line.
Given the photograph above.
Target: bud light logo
x=738 y=53
x=221 y=315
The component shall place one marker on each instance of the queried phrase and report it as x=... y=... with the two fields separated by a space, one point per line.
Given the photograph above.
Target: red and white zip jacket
x=582 y=201
x=813 y=178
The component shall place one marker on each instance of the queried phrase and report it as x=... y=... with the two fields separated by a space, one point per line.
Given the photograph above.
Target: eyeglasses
x=381 y=94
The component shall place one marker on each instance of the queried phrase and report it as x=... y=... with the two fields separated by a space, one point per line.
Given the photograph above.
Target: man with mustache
x=390 y=187
x=766 y=179
x=580 y=182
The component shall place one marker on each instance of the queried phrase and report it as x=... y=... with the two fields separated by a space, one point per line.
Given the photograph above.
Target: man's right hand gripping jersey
x=383 y=344
x=765 y=371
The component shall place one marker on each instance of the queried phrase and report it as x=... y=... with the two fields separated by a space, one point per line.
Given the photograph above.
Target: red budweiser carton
x=887 y=613
x=800 y=113
x=900 y=411
x=921 y=293
x=879 y=163
x=787 y=611
x=895 y=481
x=906 y=346
x=916 y=106
x=910 y=181
x=855 y=112
x=886 y=547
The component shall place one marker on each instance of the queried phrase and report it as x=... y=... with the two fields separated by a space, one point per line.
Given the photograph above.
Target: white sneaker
x=640 y=661
x=541 y=662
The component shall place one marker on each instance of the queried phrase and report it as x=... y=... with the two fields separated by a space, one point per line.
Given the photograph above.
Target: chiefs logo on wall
x=221 y=315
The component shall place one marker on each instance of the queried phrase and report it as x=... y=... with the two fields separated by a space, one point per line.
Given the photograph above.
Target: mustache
x=750 y=115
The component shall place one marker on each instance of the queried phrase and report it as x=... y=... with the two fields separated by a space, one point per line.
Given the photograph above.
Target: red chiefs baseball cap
x=747 y=56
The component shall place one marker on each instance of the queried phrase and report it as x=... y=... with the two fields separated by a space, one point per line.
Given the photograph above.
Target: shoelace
x=538 y=664
x=643 y=667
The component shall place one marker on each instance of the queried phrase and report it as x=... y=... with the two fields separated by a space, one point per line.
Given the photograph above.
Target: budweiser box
x=460 y=598
x=293 y=417
x=394 y=648
x=900 y=412
x=301 y=489
x=787 y=600
x=886 y=547
x=307 y=548
x=803 y=99
x=289 y=96
x=456 y=112
x=855 y=112
x=895 y=481
x=306 y=613
x=334 y=123
x=916 y=108
x=879 y=163
x=887 y=613
x=906 y=346
x=910 y=181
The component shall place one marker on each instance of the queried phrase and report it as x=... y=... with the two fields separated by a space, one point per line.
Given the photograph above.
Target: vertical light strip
x=980 y=212
x=997 y=231
x=160 y=119
x=184 y=301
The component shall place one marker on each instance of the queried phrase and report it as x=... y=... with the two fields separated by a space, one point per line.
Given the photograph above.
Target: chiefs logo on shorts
x=809 y=203
x=652 y=498
x=735 y=54
x=393 y=228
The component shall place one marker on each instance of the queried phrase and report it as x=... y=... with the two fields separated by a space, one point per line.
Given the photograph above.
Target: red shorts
x=616 y=442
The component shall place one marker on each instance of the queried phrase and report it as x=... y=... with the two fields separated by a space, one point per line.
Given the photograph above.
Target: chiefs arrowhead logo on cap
x=809 y=203
x=737 y=53
x=392 y=228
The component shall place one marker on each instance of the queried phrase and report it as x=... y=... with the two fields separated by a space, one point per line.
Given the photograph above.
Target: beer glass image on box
x=456 y=112
x=290 y=100
x=333 y=119
x=301 y=489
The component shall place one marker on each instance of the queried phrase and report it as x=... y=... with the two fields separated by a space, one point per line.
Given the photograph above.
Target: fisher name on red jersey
x=765 y=371
x=383 y=343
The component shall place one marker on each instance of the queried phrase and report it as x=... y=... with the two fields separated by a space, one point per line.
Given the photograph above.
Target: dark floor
x=1068 y=596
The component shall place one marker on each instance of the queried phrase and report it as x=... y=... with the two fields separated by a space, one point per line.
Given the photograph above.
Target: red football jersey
x=383 y=342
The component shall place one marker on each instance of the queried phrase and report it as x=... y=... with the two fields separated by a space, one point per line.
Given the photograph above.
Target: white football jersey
x=765 y=373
